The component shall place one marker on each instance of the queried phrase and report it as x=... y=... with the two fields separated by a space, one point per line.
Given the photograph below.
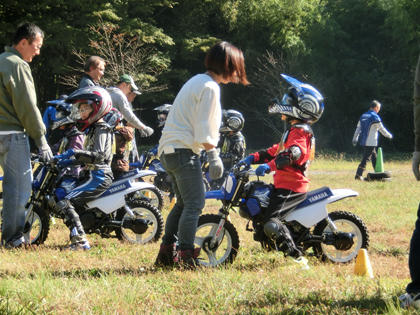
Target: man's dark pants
x=369 y=154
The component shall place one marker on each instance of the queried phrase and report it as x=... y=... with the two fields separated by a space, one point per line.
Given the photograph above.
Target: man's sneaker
x=359 y=177
x=410 y=300
x=83 y=245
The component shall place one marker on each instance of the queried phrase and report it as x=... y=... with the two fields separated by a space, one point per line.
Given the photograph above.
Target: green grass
x=118 y=278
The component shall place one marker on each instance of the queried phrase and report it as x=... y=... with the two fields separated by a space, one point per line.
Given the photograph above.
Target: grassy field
x=116 y=278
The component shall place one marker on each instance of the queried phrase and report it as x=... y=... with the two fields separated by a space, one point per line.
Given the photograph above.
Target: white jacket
x=194 y=118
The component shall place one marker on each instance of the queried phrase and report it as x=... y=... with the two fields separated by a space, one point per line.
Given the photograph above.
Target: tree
x=123 y=53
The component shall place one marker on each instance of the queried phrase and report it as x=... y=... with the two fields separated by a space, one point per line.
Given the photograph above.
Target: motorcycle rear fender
x=316 y=212
x=112 y=202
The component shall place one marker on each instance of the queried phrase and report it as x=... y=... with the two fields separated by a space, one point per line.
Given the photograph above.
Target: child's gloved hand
x=262 y=170
x=247 y=161
x=215 y=164
x=65 y=155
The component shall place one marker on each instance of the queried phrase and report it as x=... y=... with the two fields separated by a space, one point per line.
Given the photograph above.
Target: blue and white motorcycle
x=335 y=236
x=118 y=212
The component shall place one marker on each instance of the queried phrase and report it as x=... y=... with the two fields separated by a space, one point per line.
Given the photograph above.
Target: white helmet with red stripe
x=98 y=98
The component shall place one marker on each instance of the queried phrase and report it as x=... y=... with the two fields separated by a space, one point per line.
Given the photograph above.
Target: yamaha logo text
x=117 y=188
x=318 y=196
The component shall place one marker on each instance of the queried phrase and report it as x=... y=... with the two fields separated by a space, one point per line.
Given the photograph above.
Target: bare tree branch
x=123 y=53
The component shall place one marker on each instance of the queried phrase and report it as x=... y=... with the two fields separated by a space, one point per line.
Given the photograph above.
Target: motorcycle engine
x=89 y=221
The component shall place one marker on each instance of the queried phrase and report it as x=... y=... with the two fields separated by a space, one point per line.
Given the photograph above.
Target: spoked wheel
x=37 y=226
x=341 y=248
x=133 y=230
x=152 y=195
x=216 y=252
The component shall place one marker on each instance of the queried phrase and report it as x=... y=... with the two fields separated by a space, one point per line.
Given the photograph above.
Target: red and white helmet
x=95 y=96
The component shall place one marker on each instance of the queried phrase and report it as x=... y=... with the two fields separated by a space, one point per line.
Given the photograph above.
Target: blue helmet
x=302 y=101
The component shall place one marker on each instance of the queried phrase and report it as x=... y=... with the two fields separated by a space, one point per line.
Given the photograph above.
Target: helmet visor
x=75 y=113
x=276 y=108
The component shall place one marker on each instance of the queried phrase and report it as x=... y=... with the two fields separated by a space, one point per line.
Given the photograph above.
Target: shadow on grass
x=76 y=273
x=313 y=303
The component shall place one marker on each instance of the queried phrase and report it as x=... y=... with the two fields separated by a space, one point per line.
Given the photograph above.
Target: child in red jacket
x=302 y=106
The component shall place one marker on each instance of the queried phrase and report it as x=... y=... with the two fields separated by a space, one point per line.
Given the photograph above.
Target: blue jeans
x=15 y=159
x=414 y=258
x=184 y=167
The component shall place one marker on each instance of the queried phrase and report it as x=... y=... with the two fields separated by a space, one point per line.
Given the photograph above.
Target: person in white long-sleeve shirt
x=193 y=125
x=366 y=135
x=122 y=95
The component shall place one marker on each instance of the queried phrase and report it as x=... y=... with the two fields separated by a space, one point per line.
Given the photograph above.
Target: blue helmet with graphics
x=302 y=101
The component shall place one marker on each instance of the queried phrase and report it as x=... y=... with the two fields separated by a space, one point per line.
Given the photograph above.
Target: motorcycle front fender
x=215 y=194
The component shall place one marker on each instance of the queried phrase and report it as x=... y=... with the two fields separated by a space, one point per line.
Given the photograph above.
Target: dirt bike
x=118 y=209
x=335 y=236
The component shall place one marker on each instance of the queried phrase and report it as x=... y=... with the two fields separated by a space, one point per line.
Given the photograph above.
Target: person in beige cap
x=122 y=95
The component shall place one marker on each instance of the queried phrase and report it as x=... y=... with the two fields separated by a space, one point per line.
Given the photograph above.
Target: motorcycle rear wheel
x=142 y=210
x=222 y=253
x=37 y=226
x=345 y=222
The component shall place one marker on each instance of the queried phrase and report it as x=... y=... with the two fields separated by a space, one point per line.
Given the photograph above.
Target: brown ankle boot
x=166 y=255
x=188 y=259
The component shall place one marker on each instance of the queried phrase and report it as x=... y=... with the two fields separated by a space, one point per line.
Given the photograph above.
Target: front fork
x=218 y=234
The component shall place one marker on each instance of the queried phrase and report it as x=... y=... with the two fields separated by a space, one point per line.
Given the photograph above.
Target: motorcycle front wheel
x=223 y=251
x=142 y=210
x=346 y=222
x=37 y=226
x=152 y=195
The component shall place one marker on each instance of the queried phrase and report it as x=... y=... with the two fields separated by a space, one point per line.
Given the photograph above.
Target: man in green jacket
x=19 y=118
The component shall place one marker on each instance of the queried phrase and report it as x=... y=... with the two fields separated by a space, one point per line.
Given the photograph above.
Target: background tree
x=352 y=51
x=123 y=54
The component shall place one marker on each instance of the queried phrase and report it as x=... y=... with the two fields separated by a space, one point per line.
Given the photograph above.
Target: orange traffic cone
x=362 y=266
